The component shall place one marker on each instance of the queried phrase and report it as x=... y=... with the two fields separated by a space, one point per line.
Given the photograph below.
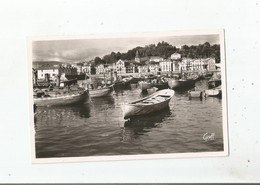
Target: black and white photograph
x=128 y=96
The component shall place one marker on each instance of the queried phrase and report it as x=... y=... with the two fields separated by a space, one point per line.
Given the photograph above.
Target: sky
x=79 y=50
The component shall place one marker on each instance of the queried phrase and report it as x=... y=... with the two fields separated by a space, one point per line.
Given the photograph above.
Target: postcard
x=128 y=96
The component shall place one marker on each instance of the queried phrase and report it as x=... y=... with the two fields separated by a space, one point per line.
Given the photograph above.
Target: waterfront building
x=68 y=70
x=153 y=66
x=86 y=68
x=183 y=65
x=79 y=68
x=188 y=64
x=211 y=64
x=176 y=56
x=141 y=60
x=196 y=65
x=143 y=69
x=167 y=65
x=100 y=69
x=120 y=67
x=52 y=69
x=131 y=66
x=155 y=59
x=46 y=67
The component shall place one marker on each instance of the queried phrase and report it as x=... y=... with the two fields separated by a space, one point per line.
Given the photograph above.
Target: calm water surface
x=97 y=127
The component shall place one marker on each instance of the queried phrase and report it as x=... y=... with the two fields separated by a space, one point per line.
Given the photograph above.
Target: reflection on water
x=149 y=120
x=109 y=100
x=140 y=125
x=97 y=127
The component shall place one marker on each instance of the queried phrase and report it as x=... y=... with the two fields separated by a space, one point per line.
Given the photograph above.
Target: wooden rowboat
x=103 y=92
x=155 y=102
x=52 y=99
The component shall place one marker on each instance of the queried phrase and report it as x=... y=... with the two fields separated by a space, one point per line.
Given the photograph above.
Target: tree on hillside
x=98 y=61
x=165 y=50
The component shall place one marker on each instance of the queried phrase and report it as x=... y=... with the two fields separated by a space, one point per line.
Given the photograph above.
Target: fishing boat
x=179 y=84
x=160 y=86
x=144 y=85
x=126 y=82
x=101 y=92
x=78 y=77
x=132 y=80
x=155 y=102
x=45 y=98
x=214 y=83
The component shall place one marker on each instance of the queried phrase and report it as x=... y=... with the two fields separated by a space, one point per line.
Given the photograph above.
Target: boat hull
x=161 y=86
x=132 y=81
x=96 y=93
x=178 y=84
x=78 y=77
x=137 y=110
x=133 y=109
x=214 y=83
x=61 y=100
x=213 y=92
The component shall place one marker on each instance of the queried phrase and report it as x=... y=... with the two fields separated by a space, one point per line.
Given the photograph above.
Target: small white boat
x=102 y=92
x=155 y=102
x=214 y=92
x=195 y=94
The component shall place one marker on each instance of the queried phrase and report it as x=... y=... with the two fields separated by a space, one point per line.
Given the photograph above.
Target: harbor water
x=97 y=127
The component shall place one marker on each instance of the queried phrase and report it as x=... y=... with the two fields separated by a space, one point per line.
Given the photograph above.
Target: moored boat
x=214 y=83
x=132 y=80
x=195 y=94
x=160 y=86
x=179 y=84
x=155 y=102
x=78 y=77
x=102 y=92
x=57 y=98
x=214 y=92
